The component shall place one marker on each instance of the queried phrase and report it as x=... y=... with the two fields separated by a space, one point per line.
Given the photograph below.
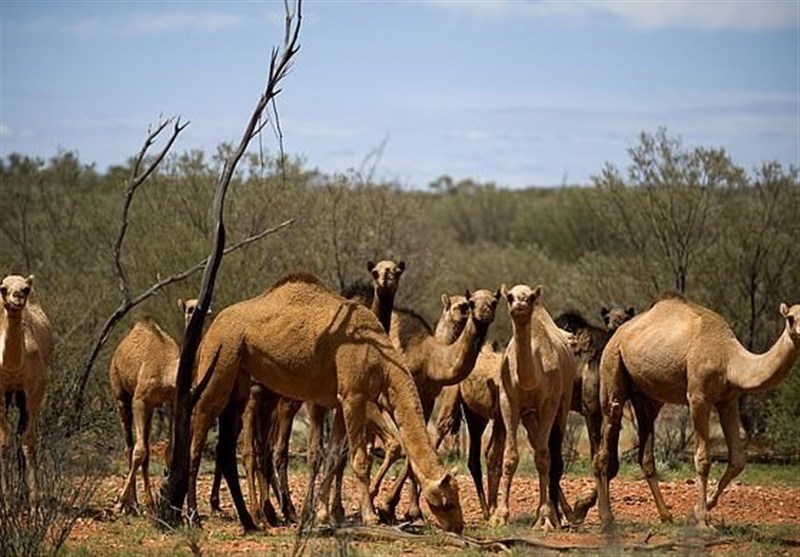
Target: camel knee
x=736 y=464
x=702 y=462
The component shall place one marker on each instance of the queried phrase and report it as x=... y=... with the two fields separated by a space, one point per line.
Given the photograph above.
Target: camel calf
x=142 y=374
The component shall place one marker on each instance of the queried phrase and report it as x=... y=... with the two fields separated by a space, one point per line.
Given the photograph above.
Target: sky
x=518 y=93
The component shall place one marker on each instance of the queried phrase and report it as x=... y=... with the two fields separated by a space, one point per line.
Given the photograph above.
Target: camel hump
x=300 y=277
x=571 y=321
x=670 y=295
x=360 y=291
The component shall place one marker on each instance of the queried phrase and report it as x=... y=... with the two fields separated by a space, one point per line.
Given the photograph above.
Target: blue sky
x=519 y=93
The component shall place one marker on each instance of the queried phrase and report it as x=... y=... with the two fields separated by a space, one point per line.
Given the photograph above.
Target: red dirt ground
x=748 y=506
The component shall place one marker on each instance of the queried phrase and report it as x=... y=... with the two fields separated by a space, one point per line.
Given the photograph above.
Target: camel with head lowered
x=301 y=340
x=142 y=374
x=678 y=352
x=26 y=347
x=436 y=365
x=280 y=413
x=589 y=342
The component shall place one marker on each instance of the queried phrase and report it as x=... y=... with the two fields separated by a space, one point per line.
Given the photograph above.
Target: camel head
x=482 y=304
x=443 y=500
x=15 y=291
x=455 y=311
x=613 y=318
x=521 y=299
x=792 y=316
x=386 y=274
x=188 y=307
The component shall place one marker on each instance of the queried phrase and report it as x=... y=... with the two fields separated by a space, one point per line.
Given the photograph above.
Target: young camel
x=537 y=375
x=302 y=341
x=590 y=341
x=142 y=374
x=26 y=347
x=678 y=352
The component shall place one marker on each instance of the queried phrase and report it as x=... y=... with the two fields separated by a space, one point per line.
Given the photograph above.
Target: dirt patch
x=748 y=513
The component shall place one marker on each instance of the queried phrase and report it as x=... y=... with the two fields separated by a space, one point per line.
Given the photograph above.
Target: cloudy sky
x=518 y=93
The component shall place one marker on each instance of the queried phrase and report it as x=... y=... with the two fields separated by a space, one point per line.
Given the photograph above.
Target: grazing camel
x=379 y=297
x=678 y=352
x=301 y=340
x=537 y=375
x=590 y=342
x=26 y=347
x=142 y=374
x=434 y=366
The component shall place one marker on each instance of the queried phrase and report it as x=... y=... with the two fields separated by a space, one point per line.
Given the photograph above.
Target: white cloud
x=739 y=15
x=5 y=131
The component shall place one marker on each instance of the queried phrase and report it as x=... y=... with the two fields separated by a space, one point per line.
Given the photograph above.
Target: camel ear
x=401 y=266
x=446 y=480
x=468 y=294
x=504 y=290
x=497 y=295
x=445 y=300
x=784 y=309
x=604 y=311
x=537 y=291
x=370 y=266
x=181 y=305
x=630 y=312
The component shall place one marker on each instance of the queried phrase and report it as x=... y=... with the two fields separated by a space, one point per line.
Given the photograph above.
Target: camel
x=302 y=341
x=26 y=348
x=590 y=341
x=537 y=373
x=142 y=374
x=380 y=298
x=678 y=352
x=436 y=365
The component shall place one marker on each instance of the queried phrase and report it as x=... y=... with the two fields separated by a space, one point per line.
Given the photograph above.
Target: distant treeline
x=681 y=219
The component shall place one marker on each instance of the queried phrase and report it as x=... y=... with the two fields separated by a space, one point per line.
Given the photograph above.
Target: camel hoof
x=386 y=515
x=498 y=520
x=413 y=514
x=608 y=527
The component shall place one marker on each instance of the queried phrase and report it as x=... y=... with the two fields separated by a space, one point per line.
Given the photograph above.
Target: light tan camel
x=302 y=341
x=436 y=365
x=590 y=342
x=26 y=347
x=537 y=375
x=379 y=297
x=142 y=374
x=678 y=352
x=453 y=319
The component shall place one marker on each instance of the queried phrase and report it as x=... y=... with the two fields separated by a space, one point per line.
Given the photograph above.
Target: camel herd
x=379 y=370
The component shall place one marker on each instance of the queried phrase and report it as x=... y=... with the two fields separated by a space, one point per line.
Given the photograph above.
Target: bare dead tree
x=174 y=488
x=142 y=170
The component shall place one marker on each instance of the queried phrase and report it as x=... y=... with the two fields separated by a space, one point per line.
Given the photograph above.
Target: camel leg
x=414 y=511
x=603 y=463
x=30 y=411
x=5 y=449
x=286 y=411
x=226 y=447
x=646 y=413
x=336 y=448
x=494 y=463
x=545 y=514
x=700 y=410
x=252 y=445
x=555 y=443
x=476 y=426
x=354 y=408
x=729 y=420
x=509 y=409
x=148 y=492
x=127 y=501
x=593 y=414
x=391 y=445
x=213 y=499
x=125 y=410
x=316 y=418
x=449 y=416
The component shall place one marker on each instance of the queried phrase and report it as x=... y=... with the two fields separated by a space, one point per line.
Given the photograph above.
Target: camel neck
x=382 y=306
x=450 y=364
x=528 y=374
x=757 y=372
x=407 y=410
x=11 y=340
x=446 y=330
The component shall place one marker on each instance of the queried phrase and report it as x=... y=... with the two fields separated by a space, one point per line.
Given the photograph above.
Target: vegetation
x=688 y=219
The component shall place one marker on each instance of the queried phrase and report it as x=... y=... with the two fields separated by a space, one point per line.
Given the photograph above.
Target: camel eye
x=375 y=274
x=3 y=291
